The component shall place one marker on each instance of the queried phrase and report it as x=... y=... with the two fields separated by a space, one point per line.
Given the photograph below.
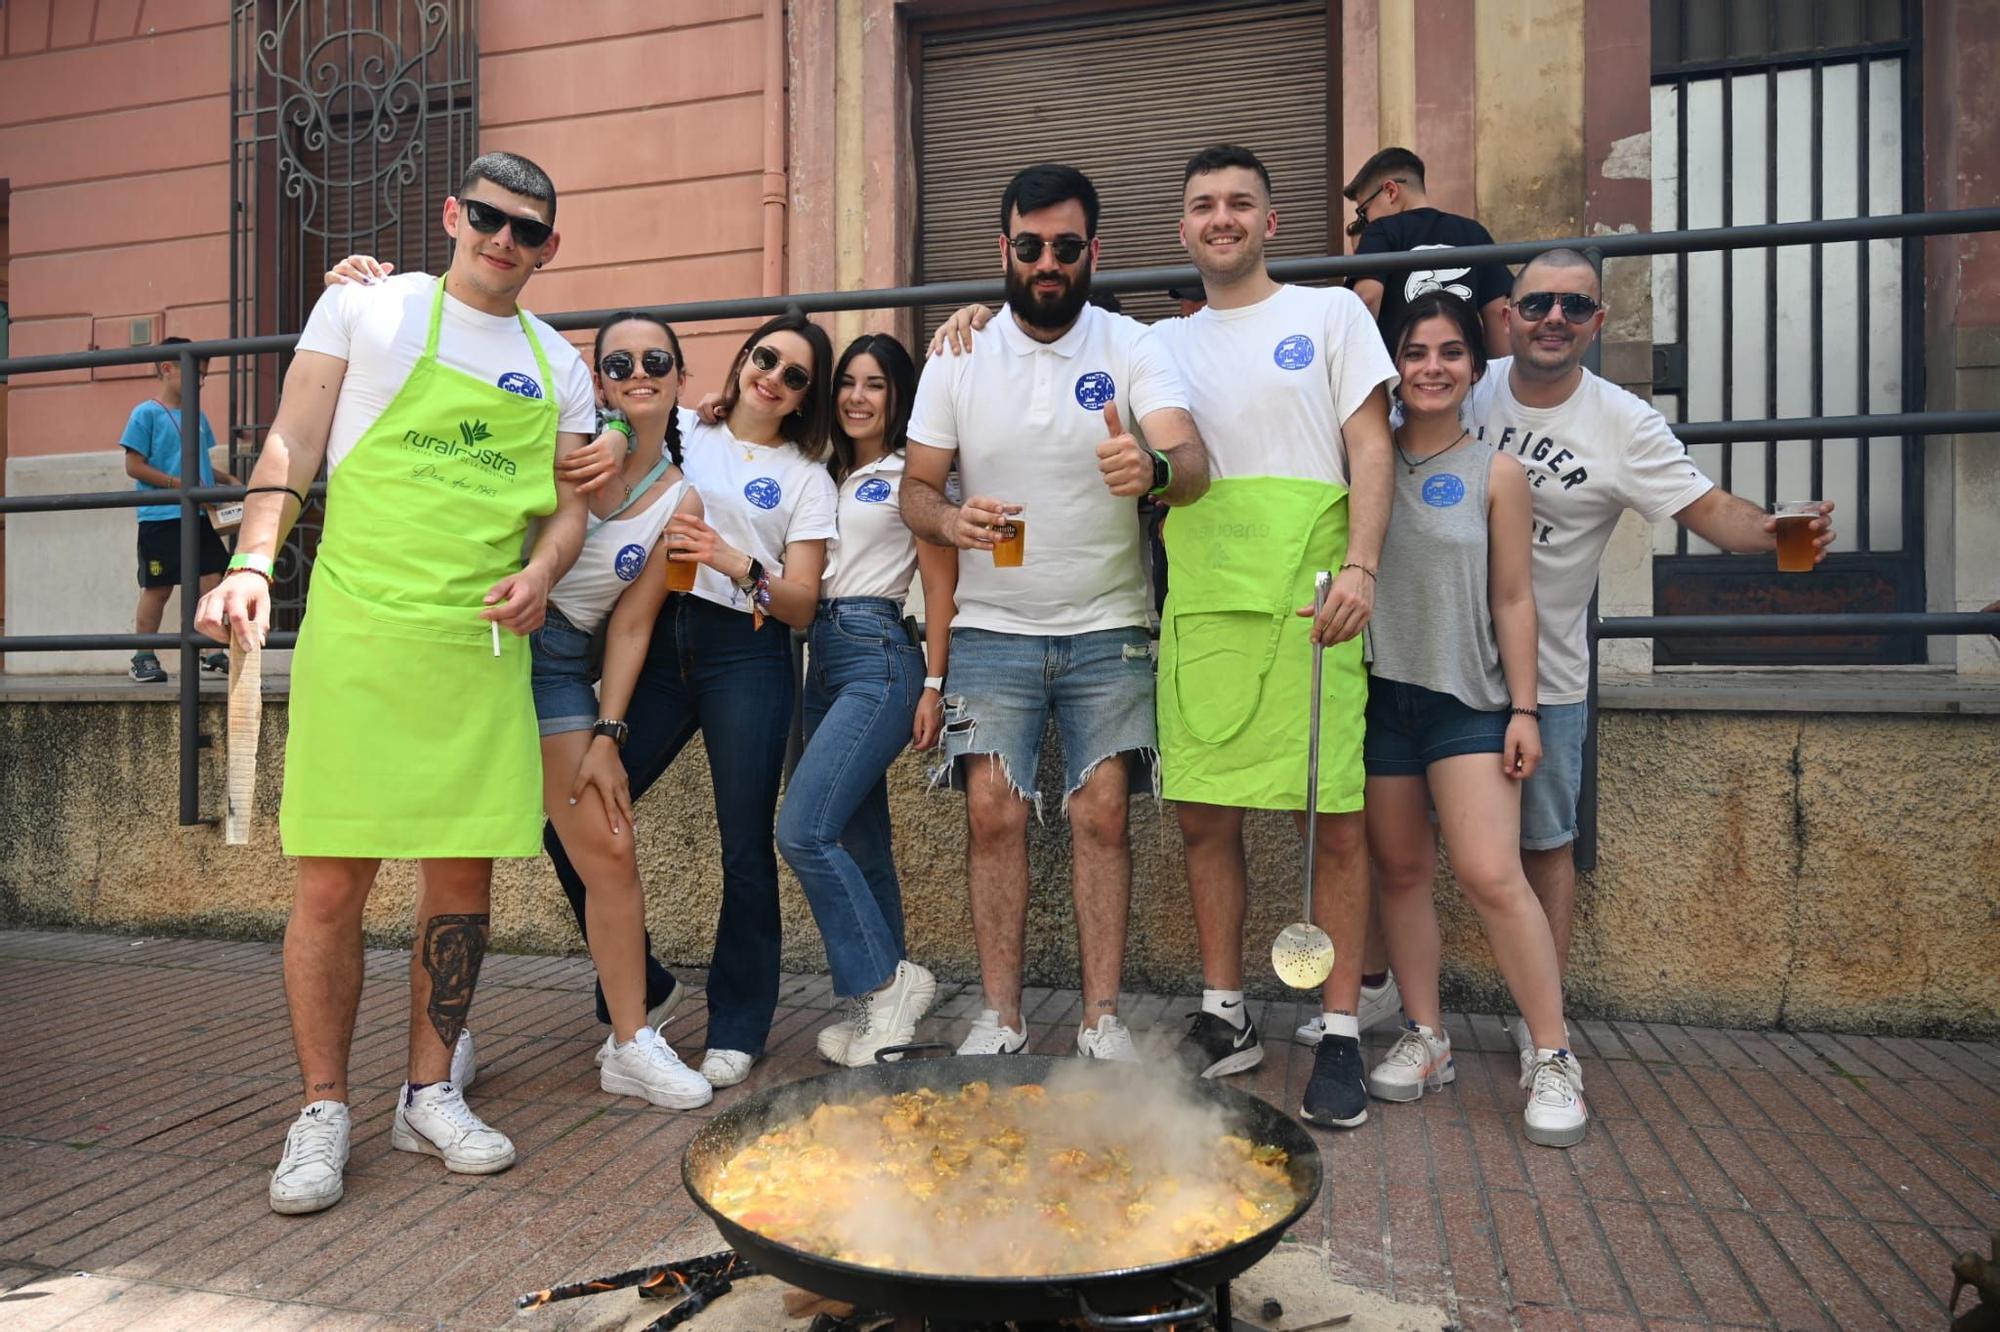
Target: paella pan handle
x=882 y=1055
x=1201 y=1307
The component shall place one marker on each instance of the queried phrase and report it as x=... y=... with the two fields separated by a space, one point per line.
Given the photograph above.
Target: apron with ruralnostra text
x=1236 y=656
x=409 y=738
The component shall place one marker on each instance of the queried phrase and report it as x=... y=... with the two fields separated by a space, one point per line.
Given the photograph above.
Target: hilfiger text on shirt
x=1546 y=462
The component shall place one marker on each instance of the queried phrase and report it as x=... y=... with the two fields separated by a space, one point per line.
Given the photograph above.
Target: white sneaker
x=647 y=1066
x=1380 y=1006
x=726 y=1068
x=989 y=1037
x=834 y=1036
x=1524 y=1043
x=1418 y=1062
x=1109 y=1039
x=308 y=1177
x=1555 y=1115
x=657 y=1016
x=437 y=1122
x=889 y=1016
x=464 y=1068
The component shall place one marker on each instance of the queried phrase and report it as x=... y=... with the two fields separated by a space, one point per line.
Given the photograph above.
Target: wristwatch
x=1163 y=472
x=752 y=576
x=617 y=730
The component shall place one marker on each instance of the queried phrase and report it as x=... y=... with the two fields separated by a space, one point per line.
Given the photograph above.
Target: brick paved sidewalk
x=1730 y=1178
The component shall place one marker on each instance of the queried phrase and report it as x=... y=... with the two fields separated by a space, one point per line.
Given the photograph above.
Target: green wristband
x=621 y=425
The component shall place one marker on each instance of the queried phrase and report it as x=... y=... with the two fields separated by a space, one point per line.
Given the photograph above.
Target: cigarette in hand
x=495 y=624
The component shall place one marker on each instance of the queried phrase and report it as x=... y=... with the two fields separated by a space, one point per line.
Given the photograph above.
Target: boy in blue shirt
x=152 y=443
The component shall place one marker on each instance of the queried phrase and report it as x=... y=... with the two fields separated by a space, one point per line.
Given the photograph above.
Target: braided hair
x=673 y=443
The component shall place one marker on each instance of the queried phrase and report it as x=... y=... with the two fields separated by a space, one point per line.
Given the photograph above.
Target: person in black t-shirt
x=1393 y=214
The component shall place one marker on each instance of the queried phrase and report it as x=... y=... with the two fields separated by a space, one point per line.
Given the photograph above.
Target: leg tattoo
x=454 y=946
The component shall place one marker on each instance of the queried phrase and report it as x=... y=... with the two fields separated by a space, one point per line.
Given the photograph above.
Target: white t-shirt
x=614 y=554
x=1600 y=453
x=379 y=331
x=1271 y=383
x=758 y=497
x=1025 y=419
x=875 y=554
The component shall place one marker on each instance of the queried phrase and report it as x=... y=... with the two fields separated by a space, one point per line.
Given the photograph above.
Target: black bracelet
x=1536 y=713
x=271 y=490
x=1364 y=569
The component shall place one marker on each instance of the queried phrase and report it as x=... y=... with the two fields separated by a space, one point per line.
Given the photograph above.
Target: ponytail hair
x=673 y=444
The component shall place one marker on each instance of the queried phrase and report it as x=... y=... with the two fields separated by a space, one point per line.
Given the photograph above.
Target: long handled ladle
x=1302 y=954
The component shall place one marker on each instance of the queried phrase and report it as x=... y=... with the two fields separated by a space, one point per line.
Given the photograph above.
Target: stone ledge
x=1882 y=690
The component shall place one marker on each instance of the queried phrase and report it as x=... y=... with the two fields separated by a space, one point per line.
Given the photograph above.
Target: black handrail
x=191 y=495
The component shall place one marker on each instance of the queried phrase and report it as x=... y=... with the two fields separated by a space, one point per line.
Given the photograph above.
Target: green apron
x=1236 y=657
x=409 y=738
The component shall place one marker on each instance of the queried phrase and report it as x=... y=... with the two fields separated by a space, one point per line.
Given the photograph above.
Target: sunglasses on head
x=657 y=362
x=1576 y=307
x=1028 y=249
x=794 y=378
x=487 y=221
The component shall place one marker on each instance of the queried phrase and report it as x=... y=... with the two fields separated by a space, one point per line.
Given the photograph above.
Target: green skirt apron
x=408 y=737
x=1236 y=657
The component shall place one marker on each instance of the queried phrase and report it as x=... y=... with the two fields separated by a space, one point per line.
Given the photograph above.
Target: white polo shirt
x=1025 y=418
x=874 y=554
x=758 y=497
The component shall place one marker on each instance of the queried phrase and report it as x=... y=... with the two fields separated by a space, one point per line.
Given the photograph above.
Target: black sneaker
x=216 y=663
x=1336 y=1096
x=146 y=668
x=1215 y=1047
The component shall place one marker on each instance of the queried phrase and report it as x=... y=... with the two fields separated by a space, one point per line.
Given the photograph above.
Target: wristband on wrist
x=1536 y=713
x=276 y=490
x=260 y=565
x=1364 y=569
x=934 y=682
x=621 y=425
x=1163 y=472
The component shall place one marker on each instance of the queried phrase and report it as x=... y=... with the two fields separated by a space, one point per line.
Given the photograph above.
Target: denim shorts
x=1548 y=797
x=1411 y=727
x=1003 y=689
x=561 y=676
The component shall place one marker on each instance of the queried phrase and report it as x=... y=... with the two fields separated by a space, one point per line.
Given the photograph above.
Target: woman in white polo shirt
x=868 y=694
x=718 y=658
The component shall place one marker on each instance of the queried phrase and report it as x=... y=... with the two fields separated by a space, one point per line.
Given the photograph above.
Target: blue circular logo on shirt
x=1443 y=491
x=872 y=491
x=1294 y=353
x=516 y=382
x=763 y=492
x=1094 y=389
x=629 y=561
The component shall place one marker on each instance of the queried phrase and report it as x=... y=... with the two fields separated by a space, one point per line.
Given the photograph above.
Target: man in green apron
x=440 y=409
x=1288 y=386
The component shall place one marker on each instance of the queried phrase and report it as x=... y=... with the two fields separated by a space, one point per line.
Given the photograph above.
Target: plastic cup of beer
x=1010 y=545
x=680 y=573
x=1796 y=553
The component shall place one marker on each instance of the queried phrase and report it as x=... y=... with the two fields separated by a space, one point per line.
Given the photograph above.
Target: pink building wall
x=115 y=137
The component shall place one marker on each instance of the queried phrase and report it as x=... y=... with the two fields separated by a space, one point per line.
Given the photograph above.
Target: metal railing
x=192 y=495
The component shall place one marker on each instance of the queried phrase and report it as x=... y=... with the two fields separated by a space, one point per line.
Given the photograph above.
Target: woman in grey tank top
x=1452 y=720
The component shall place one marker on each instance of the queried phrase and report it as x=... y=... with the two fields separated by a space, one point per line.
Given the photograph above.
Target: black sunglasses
x=1028 y=249
x=657 y=362
x=795 y=378
x=487 y=221
x=1576 y=307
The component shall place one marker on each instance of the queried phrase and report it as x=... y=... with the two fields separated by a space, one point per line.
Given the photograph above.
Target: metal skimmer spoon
x=1302 y=954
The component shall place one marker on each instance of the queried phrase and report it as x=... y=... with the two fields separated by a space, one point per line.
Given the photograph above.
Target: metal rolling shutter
x=1127 y=97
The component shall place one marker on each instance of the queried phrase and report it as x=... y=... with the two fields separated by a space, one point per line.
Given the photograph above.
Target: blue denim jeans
x=863 y=680
x=707 y=669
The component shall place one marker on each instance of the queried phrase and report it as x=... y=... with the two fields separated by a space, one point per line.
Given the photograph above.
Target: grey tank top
x=1433 y=622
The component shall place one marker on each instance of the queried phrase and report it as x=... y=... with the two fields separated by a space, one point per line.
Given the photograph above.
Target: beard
x=1051 y=313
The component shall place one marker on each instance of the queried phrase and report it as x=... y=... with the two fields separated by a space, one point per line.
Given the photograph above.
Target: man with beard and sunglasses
x=1039 y=418
x=1592 y=451
x=449 y=420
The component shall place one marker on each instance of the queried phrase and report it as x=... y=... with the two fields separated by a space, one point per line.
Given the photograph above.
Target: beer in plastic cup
x=1795 y=535
x=1009 y=551
x=680 y=573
